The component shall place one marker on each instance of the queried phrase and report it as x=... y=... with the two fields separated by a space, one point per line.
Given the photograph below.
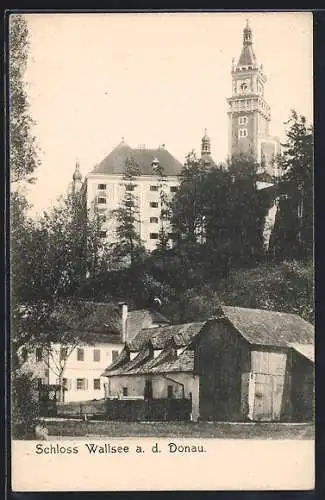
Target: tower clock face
x=244 y=86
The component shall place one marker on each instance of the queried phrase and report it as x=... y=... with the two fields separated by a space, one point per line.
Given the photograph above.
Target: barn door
x=268 y=393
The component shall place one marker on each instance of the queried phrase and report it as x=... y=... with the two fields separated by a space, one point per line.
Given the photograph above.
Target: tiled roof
x=143 y=318
x=159 y=337
x=114 y=162
x=272 y=328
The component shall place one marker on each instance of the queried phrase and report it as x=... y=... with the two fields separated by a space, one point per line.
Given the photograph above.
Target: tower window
x=153 y=188
x=243 y=132
x=154 y=204
x=242 y=120
x=101 y=187
x=129 y=187
x=154 y=236
x=154 y=220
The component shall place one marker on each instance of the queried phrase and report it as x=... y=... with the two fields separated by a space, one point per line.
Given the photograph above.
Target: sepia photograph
x=161 y=172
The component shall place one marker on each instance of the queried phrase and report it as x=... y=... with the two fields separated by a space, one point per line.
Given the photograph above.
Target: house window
x=101 y=201
x=242 y=120
x=173 y=189
x=80 y=354
x=81 y=384
x=102 y=234
x=170 y=391
x=96 y=384
x=63 y=353
x=154 y=204
x=243 y=132
x=114 y=355
x=96 y=354
x=153 y=188
x=129 y=187
x=39 y=354
x=102 y=187
x=154 y=220
x=154 y=236
x=125 y=391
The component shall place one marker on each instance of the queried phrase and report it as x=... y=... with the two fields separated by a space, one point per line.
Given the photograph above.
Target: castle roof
x=114 y=162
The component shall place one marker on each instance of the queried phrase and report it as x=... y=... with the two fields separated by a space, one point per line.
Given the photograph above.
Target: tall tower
x=76 y=179
x=206 y=149
x=249 y=114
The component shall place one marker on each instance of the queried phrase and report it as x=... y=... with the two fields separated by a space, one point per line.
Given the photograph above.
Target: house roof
x=144 y=318
x=114 y=162
x=159 y=337
x=272 y=328
x=306 y=350
x=101 y=321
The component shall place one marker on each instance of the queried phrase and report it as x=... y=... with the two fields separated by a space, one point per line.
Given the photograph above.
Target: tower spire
x=247 y=57
x=205 y=145
x=76 y=178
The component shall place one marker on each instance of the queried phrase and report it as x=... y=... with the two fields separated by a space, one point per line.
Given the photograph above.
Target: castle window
x=243 y=132
x=101 y=200
x=101 y=187
x=242 y=120
x=129 y=187
x=154 y=204
x=154 y=220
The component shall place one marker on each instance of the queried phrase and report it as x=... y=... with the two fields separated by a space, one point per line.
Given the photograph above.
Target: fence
x=130 y=410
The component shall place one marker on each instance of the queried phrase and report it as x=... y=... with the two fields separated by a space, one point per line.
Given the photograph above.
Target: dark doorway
x=148 y=390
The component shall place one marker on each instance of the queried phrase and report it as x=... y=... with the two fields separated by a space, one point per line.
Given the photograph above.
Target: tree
x=23 y=149
x=187 y=207
x=293 y=232
x=128 y=218
x=164 y=206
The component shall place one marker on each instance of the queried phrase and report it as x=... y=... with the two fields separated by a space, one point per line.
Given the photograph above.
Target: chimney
x=124 y=320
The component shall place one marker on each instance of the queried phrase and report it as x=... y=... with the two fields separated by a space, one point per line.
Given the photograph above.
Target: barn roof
x=159 y=337
x=306 y=350
x=114 y=162
x=272 y=328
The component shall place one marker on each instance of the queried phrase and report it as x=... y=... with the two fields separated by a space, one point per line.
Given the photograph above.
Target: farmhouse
x=243 y=364
x=90 y=337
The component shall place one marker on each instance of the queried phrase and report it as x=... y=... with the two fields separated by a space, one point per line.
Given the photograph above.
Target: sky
x=152 y=78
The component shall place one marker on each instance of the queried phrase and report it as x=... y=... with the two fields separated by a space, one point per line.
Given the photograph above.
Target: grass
x=227 y=430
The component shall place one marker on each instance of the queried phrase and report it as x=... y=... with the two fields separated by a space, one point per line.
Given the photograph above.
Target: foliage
x=24 y=404
x=23 y=149
x=293 y=233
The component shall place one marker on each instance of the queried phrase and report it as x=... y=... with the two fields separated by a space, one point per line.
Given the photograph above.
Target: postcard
x=161 y=246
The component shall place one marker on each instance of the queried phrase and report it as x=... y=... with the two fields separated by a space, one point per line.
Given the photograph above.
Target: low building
x=242 y=365
x=88 y=345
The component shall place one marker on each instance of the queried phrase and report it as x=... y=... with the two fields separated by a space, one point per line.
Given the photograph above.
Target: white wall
x=87 y=369
x=115 y=190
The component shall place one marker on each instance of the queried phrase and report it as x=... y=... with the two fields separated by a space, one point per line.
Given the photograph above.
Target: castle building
x=249 y=113
x=105 y=186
